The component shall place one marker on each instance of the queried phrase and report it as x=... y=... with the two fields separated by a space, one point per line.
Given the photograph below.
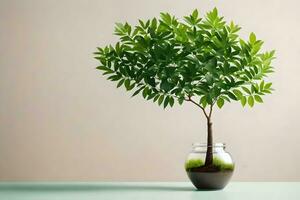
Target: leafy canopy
x=201 y=58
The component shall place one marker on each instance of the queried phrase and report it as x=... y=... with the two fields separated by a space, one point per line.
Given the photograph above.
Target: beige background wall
x=61 y=120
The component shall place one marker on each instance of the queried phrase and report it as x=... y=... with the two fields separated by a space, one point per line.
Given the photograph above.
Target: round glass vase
x=209 y=174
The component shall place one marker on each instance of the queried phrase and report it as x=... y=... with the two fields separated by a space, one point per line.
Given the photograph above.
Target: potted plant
x=202 y=61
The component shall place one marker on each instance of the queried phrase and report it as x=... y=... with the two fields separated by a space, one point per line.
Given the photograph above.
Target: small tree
x=201 y=61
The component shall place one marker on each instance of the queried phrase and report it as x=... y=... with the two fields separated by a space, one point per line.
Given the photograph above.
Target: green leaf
x=142 y=23
x=171 y=101
x=267 y=91
x=231 y=95
x=213 y=14
x=195 y=14
x=127 y=28
x=261 y=85
x=154 y=23
x=180 y=100
x=272 y=53
x=253 y=89
x=243 y=101
x=119 y=29
x=145 y=92
x=268 y=86
x=137 y=91
x=127 y=84
x=256 y=47
x=209 y=78
x=104 y=68
x=225 y=98
x=166 y=18
x=114 y=77
x=211 y=65
x=215 y=11
x=220 y=102
x=251 y=101
x=156 y=98
x=151 y=96
x=131 y=86
x=258 y=99
x=248 y=74
x=166 y=86
x=120 y=83
x=238 y=93
x=160 y=100
x=203 y=101
x=209 y=99
x=246 y=90
x=252 y=38
x=166 y=101
x=243 y=43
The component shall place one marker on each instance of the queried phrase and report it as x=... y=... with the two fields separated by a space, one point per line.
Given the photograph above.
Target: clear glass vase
x=209 y=171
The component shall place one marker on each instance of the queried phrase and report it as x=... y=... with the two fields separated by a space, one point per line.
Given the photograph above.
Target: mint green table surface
x=146 y=190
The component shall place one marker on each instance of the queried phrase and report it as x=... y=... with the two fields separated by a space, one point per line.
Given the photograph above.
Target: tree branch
x=197 y=104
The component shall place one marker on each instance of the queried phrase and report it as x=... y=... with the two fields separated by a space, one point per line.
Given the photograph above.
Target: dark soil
x=209 y=177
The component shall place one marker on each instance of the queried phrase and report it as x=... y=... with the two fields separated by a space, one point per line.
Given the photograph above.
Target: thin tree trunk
x=209 y=151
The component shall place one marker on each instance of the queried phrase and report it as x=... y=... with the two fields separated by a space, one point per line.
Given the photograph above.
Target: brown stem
x=209 y=151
